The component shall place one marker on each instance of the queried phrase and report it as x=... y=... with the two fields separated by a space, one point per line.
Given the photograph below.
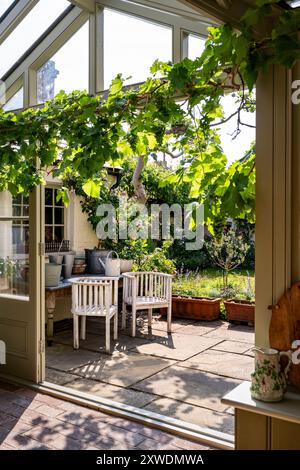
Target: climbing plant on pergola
x=178 y=114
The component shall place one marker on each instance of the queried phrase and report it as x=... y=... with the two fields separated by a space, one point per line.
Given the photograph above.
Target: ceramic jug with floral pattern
x=269 y=380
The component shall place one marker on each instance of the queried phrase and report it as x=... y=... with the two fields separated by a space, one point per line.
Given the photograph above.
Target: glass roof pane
x=68 y=69
x=15 y=102
x=29 y=30
x=196 y=46
x=4 y=5
x=131 y=45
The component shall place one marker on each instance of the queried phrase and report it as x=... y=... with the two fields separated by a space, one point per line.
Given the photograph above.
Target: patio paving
x=222 y=363
x=200 y=389
x=112 y=392
x=123 y=369
x=176 y=346
x=192 y=414
x=183 y=375
x=233 y=347
x=32 y=421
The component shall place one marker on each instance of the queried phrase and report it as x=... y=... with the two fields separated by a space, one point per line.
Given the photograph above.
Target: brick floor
x=33 y=421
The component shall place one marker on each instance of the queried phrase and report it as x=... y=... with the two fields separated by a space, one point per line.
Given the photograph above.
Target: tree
x=228 y=253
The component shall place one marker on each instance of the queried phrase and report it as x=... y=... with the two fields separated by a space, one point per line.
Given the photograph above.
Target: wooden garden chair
x=145 y=291
x=94 y=298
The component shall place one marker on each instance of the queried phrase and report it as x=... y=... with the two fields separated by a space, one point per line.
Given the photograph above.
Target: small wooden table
x=64 y=289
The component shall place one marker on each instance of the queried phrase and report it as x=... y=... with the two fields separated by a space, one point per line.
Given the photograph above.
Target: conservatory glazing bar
x=28 y=31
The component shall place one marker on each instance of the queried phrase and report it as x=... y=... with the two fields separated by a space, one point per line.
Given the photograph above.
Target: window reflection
x=14 y=245
x=67 y=70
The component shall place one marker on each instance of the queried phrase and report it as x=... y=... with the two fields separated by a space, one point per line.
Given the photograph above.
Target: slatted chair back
x=152 y=286
x=94 y=297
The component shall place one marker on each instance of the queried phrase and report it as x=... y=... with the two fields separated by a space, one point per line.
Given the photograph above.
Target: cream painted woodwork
x=274 y=195
x=21 y=317
x=264 y=426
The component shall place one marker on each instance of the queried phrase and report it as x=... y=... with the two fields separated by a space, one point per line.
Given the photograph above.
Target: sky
x=4 y=4
x=122 y=53
x=233 y=149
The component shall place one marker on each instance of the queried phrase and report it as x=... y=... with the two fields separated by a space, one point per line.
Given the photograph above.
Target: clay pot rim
x=191 y=297
x=239 y=302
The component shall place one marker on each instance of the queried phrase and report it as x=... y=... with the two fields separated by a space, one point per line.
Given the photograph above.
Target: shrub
x=156 y=261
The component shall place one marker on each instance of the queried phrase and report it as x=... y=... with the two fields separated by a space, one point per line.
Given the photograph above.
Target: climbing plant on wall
x=77 y=134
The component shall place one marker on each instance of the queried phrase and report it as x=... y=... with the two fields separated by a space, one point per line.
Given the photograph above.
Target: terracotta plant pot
x=240 y=310
x=197 y=308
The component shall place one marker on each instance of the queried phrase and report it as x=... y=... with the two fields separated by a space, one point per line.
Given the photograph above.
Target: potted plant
x=8 y=270
x=130 y=253
x=196 y=308
x=242 y=310
x=187 y=303
x=229 y=253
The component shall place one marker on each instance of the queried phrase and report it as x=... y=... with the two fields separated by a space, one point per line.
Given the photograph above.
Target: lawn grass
x=209 y=283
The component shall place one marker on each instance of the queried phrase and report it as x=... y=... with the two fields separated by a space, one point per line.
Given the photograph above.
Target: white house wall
x=78 y=229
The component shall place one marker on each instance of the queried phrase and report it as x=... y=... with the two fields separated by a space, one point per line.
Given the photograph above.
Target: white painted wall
x=78 y=229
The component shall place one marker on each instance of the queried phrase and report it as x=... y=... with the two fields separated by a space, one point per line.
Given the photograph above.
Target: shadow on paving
x=170 y=375
x=32 y=421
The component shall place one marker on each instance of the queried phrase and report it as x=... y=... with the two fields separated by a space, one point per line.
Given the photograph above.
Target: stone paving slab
x=222 y=363
x=200 y=328
x=111 y=392
x=233 y=333
x=233 y=346
x=59 y=378
x=193 y=414
x=159 y=323
x=189 y=386
x=123 y=369
x=176 y=346
x=65 y=358
x=96 y=342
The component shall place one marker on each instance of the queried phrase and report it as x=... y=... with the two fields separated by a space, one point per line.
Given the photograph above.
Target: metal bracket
x=41 y=346
x=42 y=249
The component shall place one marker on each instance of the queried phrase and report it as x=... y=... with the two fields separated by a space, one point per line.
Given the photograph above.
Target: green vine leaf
x=91 y=189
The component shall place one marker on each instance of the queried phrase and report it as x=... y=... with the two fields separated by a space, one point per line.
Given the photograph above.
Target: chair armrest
x=128 y=276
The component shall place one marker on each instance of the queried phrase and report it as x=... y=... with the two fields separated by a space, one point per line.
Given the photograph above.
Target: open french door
x=21 y=286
